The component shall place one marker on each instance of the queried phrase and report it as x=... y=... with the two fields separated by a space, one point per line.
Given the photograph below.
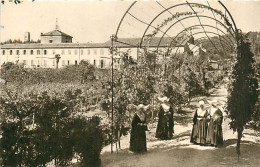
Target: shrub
x=41 y=127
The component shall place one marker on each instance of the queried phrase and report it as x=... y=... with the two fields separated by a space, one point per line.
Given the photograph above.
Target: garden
x=54 y=116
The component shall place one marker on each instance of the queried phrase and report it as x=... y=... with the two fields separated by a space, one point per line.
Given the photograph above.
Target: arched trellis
x=226 y=41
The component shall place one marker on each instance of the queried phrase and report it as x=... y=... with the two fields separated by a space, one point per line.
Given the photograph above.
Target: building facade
x=57 y=43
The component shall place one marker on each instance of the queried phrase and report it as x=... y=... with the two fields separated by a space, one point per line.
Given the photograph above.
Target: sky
x=93 y=21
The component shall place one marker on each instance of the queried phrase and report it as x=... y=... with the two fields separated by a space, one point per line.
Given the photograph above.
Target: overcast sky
x=92 y=21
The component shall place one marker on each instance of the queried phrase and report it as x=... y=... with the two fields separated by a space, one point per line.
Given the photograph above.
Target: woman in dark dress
x=164 y=130
x=138 y=136
x=214 y=132
x=200 y=126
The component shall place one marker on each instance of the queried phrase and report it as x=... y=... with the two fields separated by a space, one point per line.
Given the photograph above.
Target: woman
x=164 y=130
x=215 y=134
x=199 y=130
x=138 y=136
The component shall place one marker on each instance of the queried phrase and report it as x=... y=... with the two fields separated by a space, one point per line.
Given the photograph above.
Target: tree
x=57 y=57
x=243 y=94
x=87 y=71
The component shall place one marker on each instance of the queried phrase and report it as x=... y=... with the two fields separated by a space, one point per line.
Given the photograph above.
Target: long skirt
x=199 y=132
x=138 y=140
x=210 y=133
x=214 y=134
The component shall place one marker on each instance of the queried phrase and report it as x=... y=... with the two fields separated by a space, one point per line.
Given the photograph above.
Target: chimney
x=27 y=37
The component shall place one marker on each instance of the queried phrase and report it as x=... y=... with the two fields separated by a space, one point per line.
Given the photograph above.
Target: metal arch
x=236 y=30
x=217 y=26
x=189 y=28
x=211 y=27
x=124 y=17
x=216 y=41
x=177 y=6
x=194 y=35
x=199 y=33
x=193 y=47
x=195 y=16
x=201 y=24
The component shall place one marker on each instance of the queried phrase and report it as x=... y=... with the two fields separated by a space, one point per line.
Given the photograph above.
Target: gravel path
x=180 y=152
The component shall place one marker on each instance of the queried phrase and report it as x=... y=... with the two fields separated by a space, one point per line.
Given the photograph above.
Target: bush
x=75 y=73
x=88 y=138
x=41 y=127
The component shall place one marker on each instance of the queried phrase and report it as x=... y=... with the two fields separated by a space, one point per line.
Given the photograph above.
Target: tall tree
x=243 y=90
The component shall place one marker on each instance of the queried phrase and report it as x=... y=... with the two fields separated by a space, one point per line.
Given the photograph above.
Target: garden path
x=180 y=152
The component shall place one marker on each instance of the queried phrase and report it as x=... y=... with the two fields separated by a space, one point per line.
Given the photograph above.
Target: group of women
x=207 y=128
x=207 y=125
x=164 y=130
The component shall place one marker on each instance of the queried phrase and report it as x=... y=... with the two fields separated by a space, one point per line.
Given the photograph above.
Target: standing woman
x=210 y=130
x=138 y=136
x=164 y=130
x=199 y=130
x=215 y=134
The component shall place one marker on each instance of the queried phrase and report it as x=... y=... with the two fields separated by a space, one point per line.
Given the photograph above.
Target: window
x=69 y=51
x=101 y=51
x=24 y=52
x=24 y=62
x=17 y=52
x=62 y=52
x=63 y=63
x=76 y=62
x=50 y=40
x=32 y=63
x=88 y=51
x=3 y=52
x=38 y=52
x=53 y=51
x=95 y=51
x=31 y=52
x=94 y=62
x=81 y=52
x=75 y=51
x=101 y=63
x=53 y=62
x=45 y=52
x=68 y=62
x=11 y=52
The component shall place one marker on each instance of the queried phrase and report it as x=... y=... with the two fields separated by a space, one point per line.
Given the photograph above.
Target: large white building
x=54 y=43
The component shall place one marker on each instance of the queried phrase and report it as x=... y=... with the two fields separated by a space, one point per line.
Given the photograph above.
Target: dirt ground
x=176 y=156
x=180 y=152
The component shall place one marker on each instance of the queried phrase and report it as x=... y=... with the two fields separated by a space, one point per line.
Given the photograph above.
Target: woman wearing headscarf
x=214 y=133
x=138 y=136
x=199 y=130
x=164 y=130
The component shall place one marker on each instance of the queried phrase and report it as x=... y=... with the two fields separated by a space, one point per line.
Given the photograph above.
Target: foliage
x=40 y=127
x=193 y=86
x=243 y=94
x=88 y=139
x=16 y=73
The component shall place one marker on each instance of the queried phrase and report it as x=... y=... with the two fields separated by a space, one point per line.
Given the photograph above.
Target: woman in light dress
x=200 y=125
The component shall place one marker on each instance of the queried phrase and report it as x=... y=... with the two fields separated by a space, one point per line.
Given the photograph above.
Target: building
x=56 y=42
x=55 y=36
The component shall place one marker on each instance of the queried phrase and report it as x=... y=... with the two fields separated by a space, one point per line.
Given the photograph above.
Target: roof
x=153 y=42
x=55 y=33
x=130 y=42
x=51 y=46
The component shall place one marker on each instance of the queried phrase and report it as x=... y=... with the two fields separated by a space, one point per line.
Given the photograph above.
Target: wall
x=69 y=56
